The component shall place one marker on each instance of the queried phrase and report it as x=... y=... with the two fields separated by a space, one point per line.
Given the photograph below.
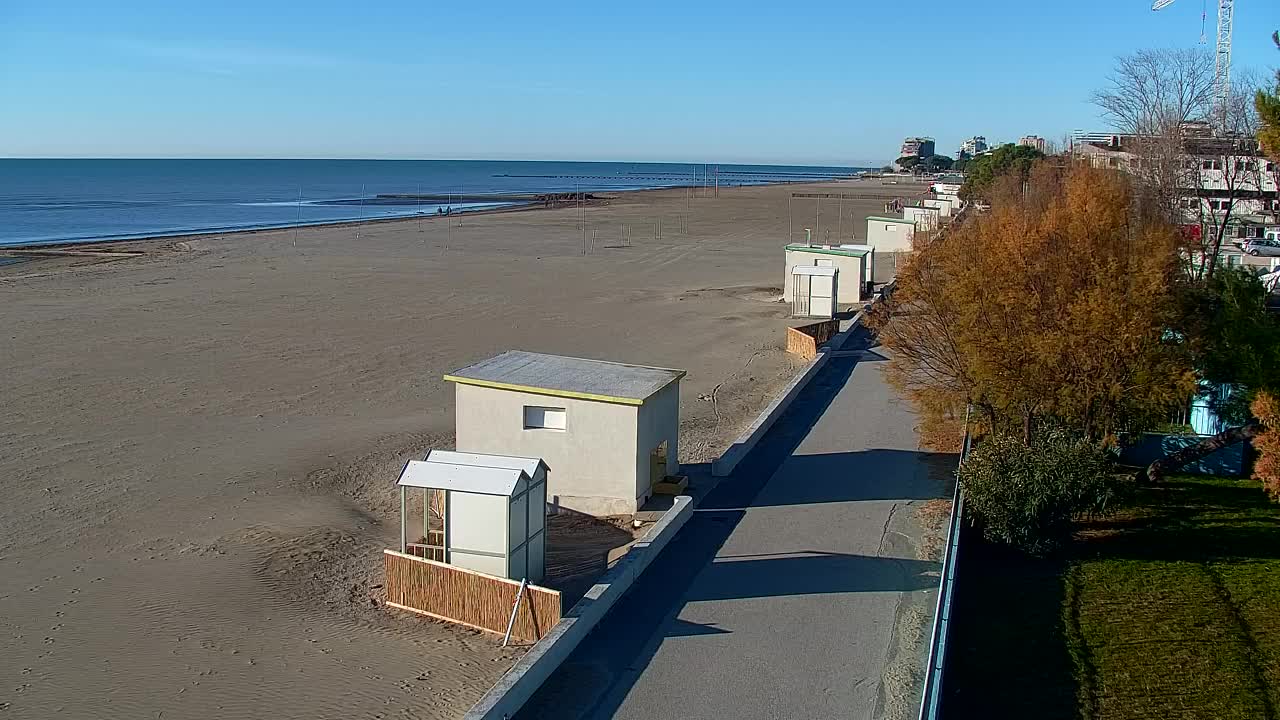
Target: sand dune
x=198 y=446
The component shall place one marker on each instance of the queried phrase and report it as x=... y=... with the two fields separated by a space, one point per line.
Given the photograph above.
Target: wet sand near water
x=198 y=446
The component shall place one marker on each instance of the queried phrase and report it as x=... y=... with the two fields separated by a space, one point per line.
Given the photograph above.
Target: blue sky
x=693 y=81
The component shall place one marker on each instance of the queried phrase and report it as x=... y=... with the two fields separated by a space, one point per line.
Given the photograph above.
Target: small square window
x=544 y=418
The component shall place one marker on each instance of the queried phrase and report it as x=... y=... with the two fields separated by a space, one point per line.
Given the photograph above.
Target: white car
x=1266 y=247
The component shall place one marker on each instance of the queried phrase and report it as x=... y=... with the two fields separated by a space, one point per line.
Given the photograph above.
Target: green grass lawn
x=1170 y=609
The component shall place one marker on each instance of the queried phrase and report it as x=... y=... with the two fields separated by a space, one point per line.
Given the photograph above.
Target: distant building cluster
x=977 y=146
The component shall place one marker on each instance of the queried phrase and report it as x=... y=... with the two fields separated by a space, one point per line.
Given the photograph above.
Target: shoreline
x=532 y=202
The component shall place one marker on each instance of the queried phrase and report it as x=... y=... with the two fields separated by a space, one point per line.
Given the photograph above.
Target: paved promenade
x=795 y=591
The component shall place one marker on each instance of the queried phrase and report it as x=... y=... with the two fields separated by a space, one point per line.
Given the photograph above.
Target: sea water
x=60 y=201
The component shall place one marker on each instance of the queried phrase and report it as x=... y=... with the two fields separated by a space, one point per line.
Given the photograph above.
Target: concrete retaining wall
x=515 y=688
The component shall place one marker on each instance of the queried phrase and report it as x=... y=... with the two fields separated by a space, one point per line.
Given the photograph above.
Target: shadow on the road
x=685 y=628
x=872 y=356
x=597 y=677
x=809 y=573
x=851 y=476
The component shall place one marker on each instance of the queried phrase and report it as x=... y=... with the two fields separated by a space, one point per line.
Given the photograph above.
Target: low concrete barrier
x=515 y=688
x=724 y=465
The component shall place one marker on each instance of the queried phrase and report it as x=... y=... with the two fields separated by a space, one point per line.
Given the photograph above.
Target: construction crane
x=1222 y=55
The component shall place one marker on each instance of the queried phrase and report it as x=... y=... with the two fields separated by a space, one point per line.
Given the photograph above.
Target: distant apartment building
x=1222 y=181
x=1032 y=141
x=973 y=147
x=917 y=147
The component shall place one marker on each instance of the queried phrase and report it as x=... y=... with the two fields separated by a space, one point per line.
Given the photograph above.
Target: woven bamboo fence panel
x=468 y=597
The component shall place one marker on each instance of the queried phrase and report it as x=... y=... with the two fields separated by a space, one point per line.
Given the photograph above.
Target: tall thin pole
x=298 y=222
x=840 y=212
x=817 y=213
x=790 y=197
x=419 y=197
x=361 y=219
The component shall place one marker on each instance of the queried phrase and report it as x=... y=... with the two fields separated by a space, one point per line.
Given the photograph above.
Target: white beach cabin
x=610 y=430
x=926 y=218
x=853 y=261
x=890 y=234
x=813 y=291
x=945 y=206
x=480 y=512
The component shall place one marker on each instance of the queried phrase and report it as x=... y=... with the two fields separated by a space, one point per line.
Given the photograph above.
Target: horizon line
x=431 y=159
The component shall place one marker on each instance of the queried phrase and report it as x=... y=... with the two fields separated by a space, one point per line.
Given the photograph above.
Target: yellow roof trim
x=545 y=391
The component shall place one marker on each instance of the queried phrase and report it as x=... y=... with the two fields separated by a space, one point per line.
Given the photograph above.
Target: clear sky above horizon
x=837 y=83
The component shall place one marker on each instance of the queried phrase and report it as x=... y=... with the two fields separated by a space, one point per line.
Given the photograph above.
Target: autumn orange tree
x=1053 y=307
x=1266 y=407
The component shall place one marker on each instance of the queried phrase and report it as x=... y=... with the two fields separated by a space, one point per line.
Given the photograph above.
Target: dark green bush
x=1027 y=496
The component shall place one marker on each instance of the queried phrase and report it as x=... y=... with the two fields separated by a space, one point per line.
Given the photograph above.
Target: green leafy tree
x=939 y=163
x=1006 y=160
x=1232 y=340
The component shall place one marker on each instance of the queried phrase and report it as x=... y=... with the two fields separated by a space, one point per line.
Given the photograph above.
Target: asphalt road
x=785 y=596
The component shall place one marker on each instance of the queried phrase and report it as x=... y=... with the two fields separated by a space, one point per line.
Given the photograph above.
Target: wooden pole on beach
x=298 y=222
x=789 y=231
x=361 y=218
x=419 y=197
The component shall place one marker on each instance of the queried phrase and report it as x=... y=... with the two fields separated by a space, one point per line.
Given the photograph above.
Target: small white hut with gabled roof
x=489 y=512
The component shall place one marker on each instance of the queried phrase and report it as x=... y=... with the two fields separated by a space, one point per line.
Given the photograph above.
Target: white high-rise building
x=974 y=146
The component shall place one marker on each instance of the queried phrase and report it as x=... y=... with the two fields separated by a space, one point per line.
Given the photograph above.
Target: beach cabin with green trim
x=854 y=263
x=610 y=430
x=890 y=234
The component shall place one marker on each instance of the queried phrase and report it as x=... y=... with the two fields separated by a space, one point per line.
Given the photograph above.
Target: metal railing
x=932 y=695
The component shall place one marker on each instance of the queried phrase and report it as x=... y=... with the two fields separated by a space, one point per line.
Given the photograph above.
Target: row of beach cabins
x=821 y=278
x=540 y=434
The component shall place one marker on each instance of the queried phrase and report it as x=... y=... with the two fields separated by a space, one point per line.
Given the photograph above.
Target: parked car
x=1262 y=246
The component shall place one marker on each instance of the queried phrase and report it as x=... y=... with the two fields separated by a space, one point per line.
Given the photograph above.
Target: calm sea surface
x=43 y=201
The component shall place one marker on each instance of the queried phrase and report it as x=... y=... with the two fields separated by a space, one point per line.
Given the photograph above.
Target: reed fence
x=467 y=597
x=806 y=339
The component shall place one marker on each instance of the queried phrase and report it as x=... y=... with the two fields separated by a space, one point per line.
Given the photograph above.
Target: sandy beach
x=199 y=443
